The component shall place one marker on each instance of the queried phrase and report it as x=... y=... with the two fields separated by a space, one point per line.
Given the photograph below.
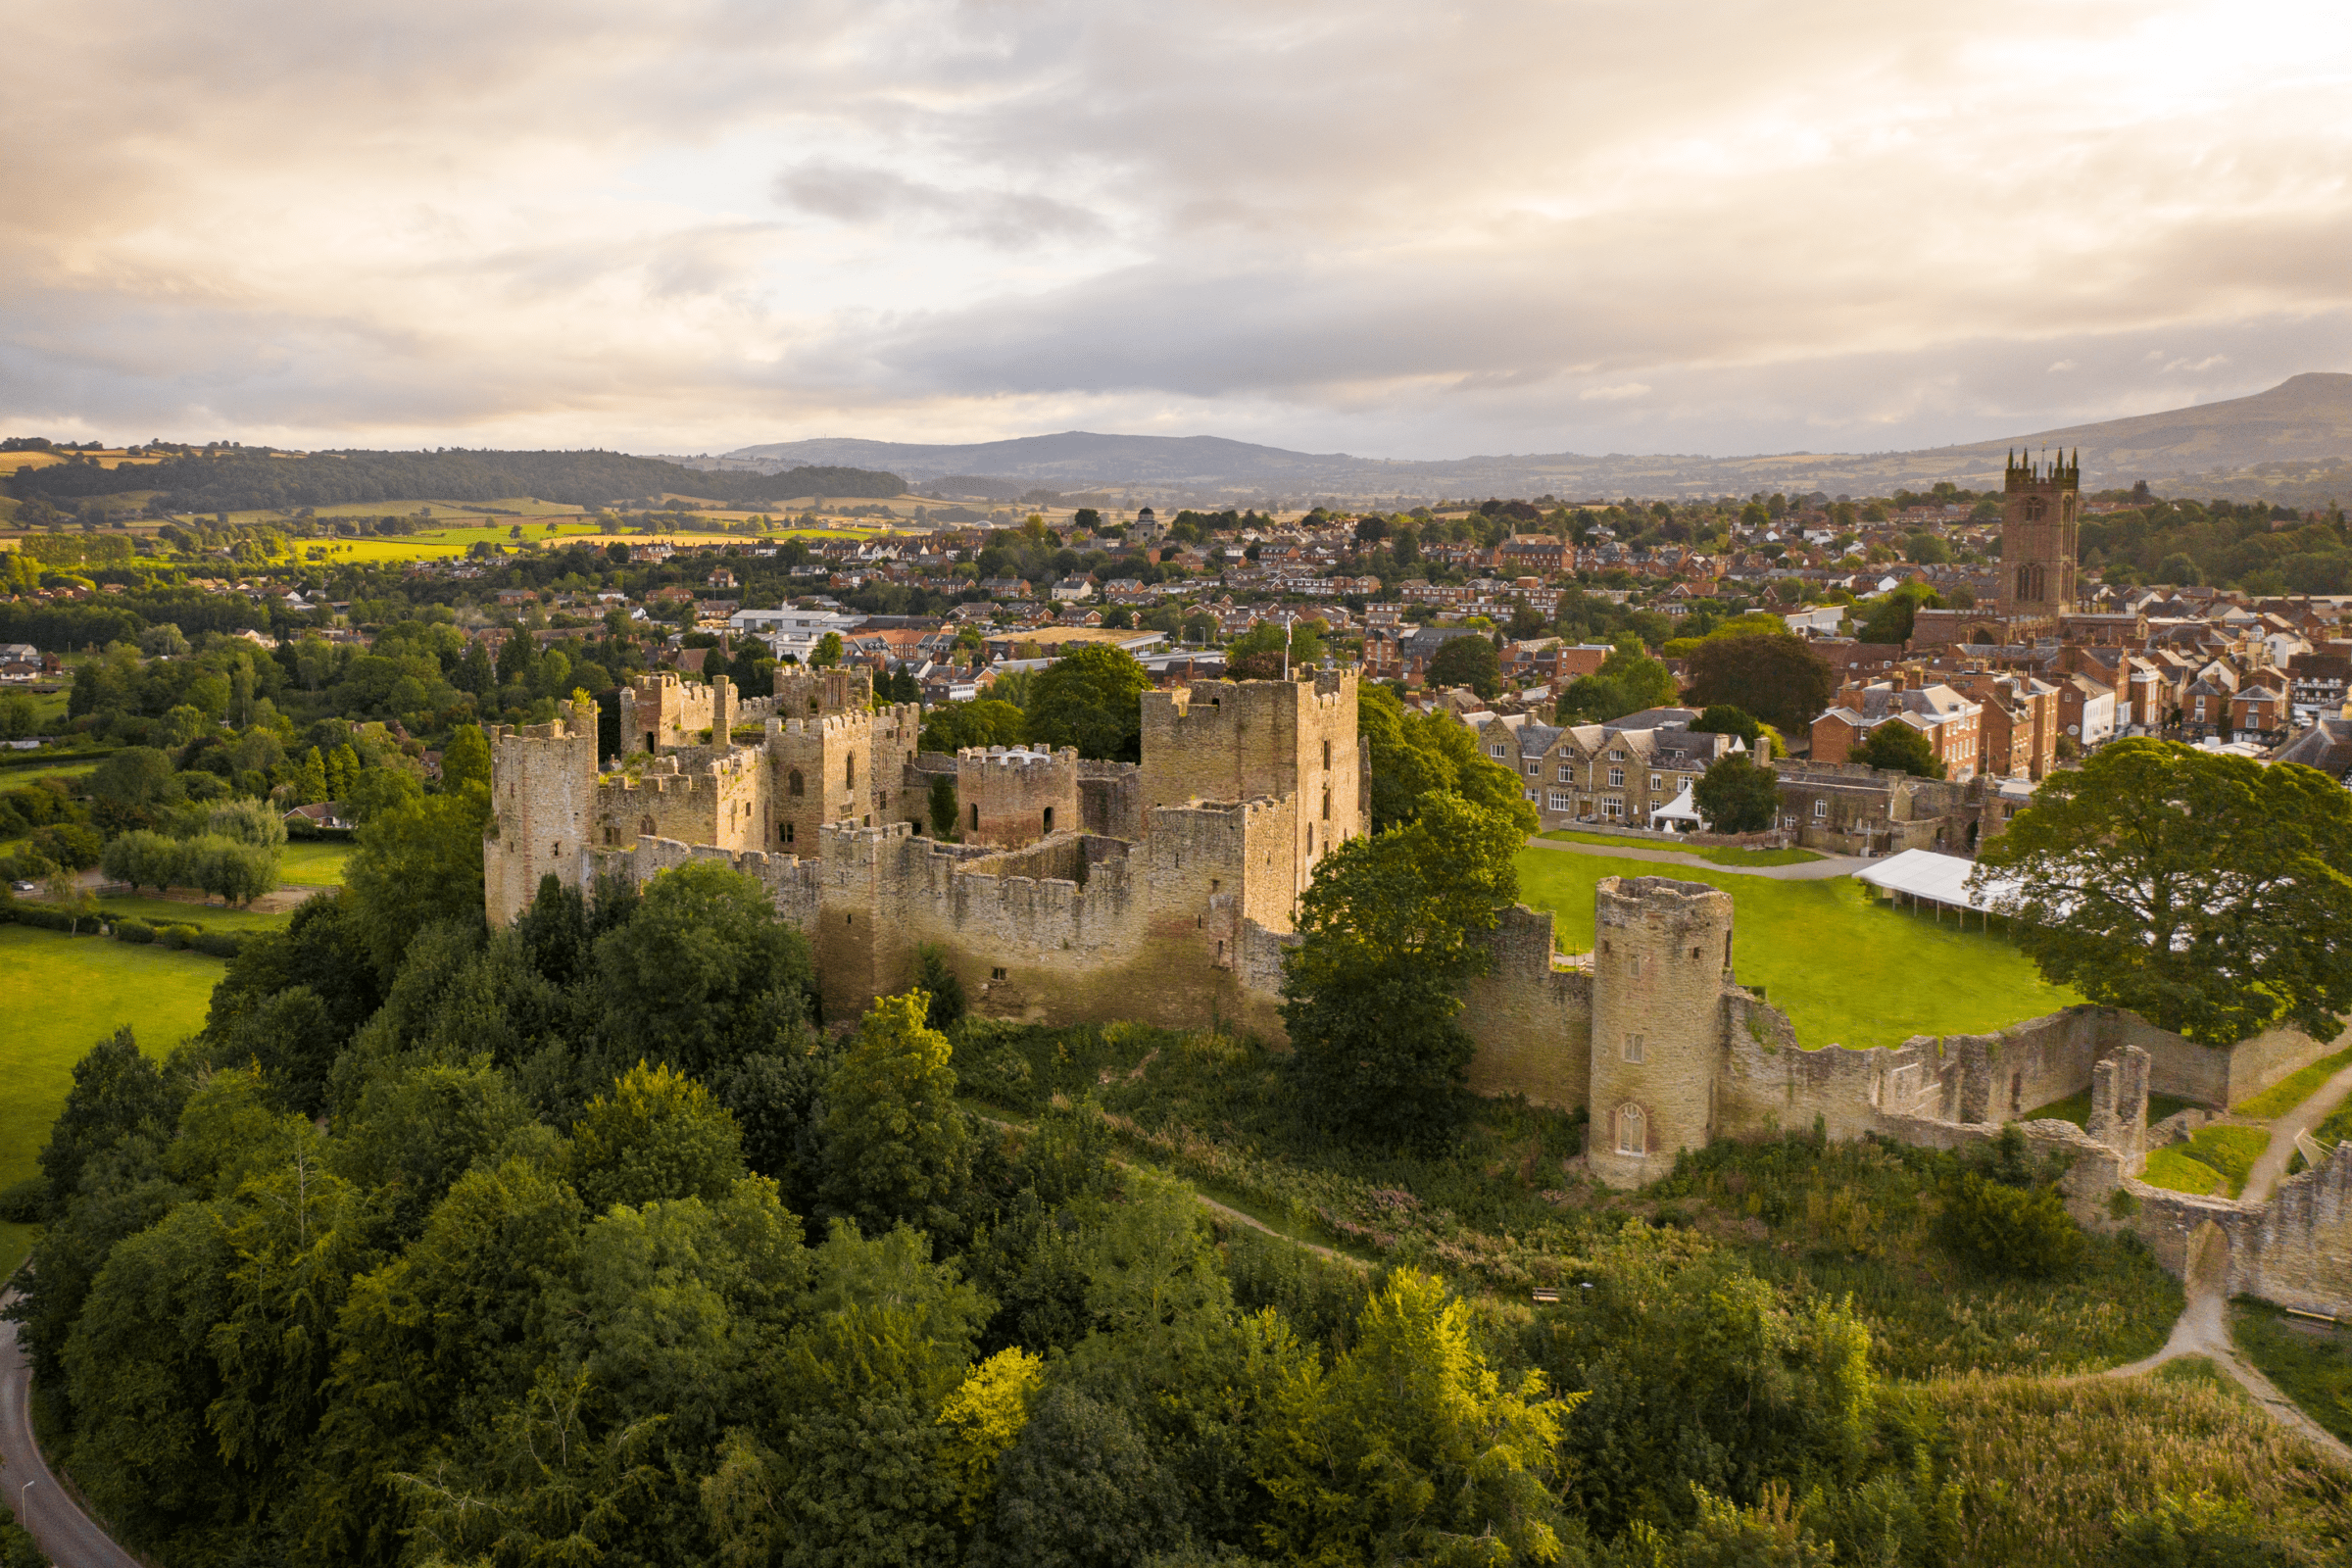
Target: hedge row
x=220 y=943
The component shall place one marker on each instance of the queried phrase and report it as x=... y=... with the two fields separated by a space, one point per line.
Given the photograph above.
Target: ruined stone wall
x=543 y=797
x=1111 y=798
x=706 y=796
x=803 y=693
x=1660 y=960
x=1261 y=738
x=2296 y=1251
x=1010 y=796
x=2220 y=1076
x=1531 y=1019
x=661 y=713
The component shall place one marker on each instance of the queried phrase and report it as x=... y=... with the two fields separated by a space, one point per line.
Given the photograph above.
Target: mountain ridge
x=2303 y=421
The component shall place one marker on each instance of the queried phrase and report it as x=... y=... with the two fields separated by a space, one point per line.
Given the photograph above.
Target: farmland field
x=61 y=995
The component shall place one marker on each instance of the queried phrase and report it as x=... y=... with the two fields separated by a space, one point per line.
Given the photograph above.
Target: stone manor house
x=1164 y=891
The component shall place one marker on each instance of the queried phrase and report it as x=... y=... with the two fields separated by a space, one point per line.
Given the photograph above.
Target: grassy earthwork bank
x=1500 y=1213
x=1712 y=854
x=61 y=995
x=2294 y=1089
x=2310 y=1361
x=2213 y=1162
x=1846 y=969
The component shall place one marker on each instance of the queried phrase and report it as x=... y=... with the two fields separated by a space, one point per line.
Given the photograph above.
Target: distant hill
x=240 y=479
x=2289 y=434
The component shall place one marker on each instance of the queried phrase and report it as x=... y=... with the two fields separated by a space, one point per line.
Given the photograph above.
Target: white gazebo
x=1677 y=815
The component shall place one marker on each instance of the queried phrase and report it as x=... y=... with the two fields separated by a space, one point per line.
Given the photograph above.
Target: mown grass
x=2311 y=1362
x=1498 y=1211
x=207 y=915
x=61 y=995
x=1846 y=969
x=2045 y=1465
x=2215 y=1159
x=2294 y=1089
x=315 y=863
x=1714 y=853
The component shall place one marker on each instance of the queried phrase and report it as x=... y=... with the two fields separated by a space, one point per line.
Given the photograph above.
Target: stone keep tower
x=1661 y=952
x=659 y=713
x=1010 y=796
x=805 y=692
x=543 y=800
x=2038 y=527
x=1261 y=740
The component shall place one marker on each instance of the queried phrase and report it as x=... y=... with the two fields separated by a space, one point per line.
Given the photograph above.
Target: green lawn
x=210 y=915
x=1846 y=969
x=315 y=863
x=61 y=995
x=2311 y=1362
x=1715 y=854
x=2294 y=1089
x=2215 y=1159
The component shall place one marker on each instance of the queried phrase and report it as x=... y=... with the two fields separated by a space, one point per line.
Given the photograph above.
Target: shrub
x=220 y=943
x=22 y=1202
x=133 y=931
x=43 y=919
x=2012 y=1229
x=937 y=981
x=177 y=937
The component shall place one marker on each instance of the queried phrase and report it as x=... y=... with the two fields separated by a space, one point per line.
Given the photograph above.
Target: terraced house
x=1620 y=771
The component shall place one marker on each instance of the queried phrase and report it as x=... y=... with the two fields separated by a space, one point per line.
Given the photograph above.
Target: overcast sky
x=1386 y=227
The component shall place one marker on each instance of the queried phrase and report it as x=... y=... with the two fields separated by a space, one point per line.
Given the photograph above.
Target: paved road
x=2203 y=1327
x=63 y=1530
x=1820 y=871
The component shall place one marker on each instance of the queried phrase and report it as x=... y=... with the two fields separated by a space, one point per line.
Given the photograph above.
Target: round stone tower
x=1661 y=951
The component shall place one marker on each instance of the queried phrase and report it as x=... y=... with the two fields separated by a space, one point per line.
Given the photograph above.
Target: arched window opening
x=1048 y=822
x=1632 y=1131
x=794 y=784
x=849 y=772
x=645 y=825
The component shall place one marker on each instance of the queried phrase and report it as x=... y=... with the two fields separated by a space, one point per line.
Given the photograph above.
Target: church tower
x=2040 y=506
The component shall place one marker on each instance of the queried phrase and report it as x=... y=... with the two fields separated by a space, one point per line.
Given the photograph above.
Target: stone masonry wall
x=1014 y=795
x=543 y=789
x=1531 y=1019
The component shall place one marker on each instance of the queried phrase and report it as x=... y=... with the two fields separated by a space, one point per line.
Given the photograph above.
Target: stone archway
x=2207 y=1267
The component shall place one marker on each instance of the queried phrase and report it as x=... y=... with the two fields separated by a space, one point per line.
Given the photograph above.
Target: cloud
x=869 y=195
x=1376 y=226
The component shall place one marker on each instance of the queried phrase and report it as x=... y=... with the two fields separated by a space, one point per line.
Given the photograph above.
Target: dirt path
x=1820 y=871
x=2203 y=1327
x=2269 y=1170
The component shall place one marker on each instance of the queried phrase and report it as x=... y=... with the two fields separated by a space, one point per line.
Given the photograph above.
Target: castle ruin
x=1164 y=891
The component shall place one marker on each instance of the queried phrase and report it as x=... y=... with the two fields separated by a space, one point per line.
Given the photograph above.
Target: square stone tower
x=1261 y=740
x=543 y=804
x=659 y=713
x=2039 y=527
x=1012 y=795
x=805 y=692
x=1661 y=953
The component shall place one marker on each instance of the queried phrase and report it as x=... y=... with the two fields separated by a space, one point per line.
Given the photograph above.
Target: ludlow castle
x=1078 y=890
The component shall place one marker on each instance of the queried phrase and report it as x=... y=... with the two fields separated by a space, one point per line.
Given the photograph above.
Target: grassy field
x=210 y=915
x=316 y=863
x=2215 y=1161
x=2311 y=1362
x=2294 y=1089
x=1713 y=855
x=1846 y=969
x=61 y=995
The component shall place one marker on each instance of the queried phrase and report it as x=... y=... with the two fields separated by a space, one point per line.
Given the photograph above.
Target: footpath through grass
x=2294 y=1089
x=1714 y=853
x=1500 y=1210
x=61 y=995
x=1847 y=970
x=2311 y=1362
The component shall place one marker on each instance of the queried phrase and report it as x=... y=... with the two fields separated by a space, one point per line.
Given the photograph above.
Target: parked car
x=23 y=887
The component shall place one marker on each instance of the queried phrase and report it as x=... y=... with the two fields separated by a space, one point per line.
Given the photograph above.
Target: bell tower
x=2039 y=521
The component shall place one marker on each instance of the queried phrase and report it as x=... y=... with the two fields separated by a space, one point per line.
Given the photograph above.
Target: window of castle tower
x=1633 y=1047
x=1632 y=1131
x=795 y=784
